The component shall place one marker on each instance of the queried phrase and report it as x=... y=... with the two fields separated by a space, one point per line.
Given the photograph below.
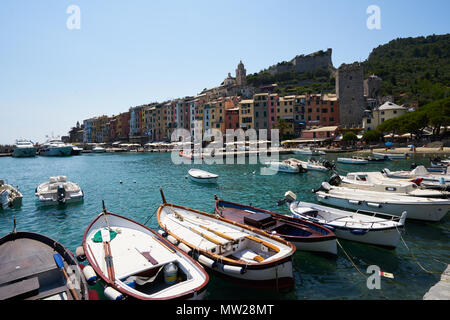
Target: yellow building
x=388 y=110
x=285 y=110
x=246 y=120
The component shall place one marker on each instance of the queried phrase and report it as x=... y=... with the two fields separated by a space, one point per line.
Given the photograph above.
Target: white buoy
x=90 y=275
x=172 y=239
x=79 y=253
x=120 y=181
x=185 y=248
x=206 y=261
x=112 y=294
x=233 y=269
x=162 y=232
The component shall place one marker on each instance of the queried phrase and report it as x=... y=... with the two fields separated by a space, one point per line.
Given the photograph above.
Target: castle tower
x=350 y=92
x=241 y=75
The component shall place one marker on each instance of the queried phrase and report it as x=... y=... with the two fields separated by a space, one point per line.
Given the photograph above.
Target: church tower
x=241 y=75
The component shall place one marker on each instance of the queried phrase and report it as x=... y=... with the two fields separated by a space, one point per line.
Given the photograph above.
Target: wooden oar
x=199 y=233
x=108 y=256
x=60 y=263
x=218 y=233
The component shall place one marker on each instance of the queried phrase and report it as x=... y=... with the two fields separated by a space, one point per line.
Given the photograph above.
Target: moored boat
x=304 y=235
x=284 y=166
x=55 y=148
x=308 y=151
x=136 y=262
x=36 y=267
x=419 y=172
x=58 y=191
x=232 y=250
x=428 y=209
x=202 y=176
x=98 y=149
x=376 y=229
x=352 y=160
x=10 y=197
x=24 y=148
x=312 y=164
x=391 y=156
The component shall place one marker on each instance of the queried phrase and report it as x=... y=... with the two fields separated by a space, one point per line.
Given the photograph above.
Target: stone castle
x=303 y=63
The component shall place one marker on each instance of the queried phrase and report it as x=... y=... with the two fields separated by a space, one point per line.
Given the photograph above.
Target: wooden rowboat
x=138 y=263
x=304 y=235
x=36 y=267
x=235 y=251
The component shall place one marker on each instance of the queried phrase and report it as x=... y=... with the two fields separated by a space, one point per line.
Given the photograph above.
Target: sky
x=129 y=53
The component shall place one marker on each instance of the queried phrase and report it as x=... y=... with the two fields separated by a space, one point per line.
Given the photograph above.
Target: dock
x=5 y=154
x=441 y=290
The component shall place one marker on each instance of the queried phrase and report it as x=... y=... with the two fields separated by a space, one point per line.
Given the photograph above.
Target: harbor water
x=416 y=267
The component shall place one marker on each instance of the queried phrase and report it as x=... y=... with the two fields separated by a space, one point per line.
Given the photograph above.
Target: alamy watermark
x=374 y=20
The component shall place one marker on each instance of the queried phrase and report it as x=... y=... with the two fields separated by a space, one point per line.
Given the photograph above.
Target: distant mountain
x=413 y=68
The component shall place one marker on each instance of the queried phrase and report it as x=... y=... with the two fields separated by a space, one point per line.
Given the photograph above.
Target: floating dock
x=441 y=290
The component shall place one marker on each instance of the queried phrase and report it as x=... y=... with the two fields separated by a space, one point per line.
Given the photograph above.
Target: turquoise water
x=138 y=197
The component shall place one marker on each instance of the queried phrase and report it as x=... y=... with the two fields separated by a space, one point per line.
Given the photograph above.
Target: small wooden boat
x=373 y=229
x=136 y=262
x=58 y=191
x=303 y=234
x=352 y=160
x=202 y=176
x=390 y=155
x=36 y=267
x=231 y=250
x=10 y=197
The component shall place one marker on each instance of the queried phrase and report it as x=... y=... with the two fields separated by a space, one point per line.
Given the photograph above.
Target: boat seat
x=51 y=292
x=260 y=220
x=24 y=267
x=19 y=289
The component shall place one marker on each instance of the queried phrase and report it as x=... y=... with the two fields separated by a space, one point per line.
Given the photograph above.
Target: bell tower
x=241 y=75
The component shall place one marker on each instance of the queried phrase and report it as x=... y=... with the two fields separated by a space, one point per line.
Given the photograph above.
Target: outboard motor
x=301 y=169
x=335 y=180
x=61 y=194
x=329 y=165
x=413 y=166
x=323 y=187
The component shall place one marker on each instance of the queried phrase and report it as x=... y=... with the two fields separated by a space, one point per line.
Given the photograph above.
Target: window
x=369 y=120
x=324 y=110
x=331 y=109
x=395 y=111
x=265 y=114
x=309 y=109
x=382 y=112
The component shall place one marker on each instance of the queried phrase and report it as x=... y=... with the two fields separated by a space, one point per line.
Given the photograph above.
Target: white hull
x=47 y=192
x=380 y=155
x=352 y=161
x=282 y=167
x=203 y=180
x=201 y=176
x=318 y=246
x=353 y=226
x=10 y=197
x=55 y=151
x=24 y=152
x=418 y=211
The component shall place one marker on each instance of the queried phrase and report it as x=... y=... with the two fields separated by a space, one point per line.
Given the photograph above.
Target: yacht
x=419 y=208
x=376 y=181
x=98 y=149
x=58 y=191
x=55 y=148
x=308 y=151
x=76 y=151
x=24 y=148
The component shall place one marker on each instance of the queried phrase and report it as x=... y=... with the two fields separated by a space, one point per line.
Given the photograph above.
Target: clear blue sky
x=129 y=53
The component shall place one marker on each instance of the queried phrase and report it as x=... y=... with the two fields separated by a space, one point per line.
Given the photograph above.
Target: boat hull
x=352 y=161
x=416 y=211
x=56 y=152
x=203 y=180
x=389 y=155
x=24 y=152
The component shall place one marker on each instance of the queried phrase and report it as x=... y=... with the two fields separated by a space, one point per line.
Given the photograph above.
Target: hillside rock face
x=301 y=63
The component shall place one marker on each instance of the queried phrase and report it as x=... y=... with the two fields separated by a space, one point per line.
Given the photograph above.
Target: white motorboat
x=312 y=164
x=376 y=181
x=10 y=197
x=55 y=148
x=58 y=191
x=383 y=155
x=308 y=151
x=76 y=151
x=133 y=261
x=230 y=249
x=283 y=166
x=24 y=148
x=352 y=160
x=98 y=149
x=202 y=176
x=373 y=229
x=429 y=209
x=419 y=172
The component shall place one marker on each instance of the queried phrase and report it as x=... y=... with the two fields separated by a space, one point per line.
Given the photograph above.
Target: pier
x=441 y=290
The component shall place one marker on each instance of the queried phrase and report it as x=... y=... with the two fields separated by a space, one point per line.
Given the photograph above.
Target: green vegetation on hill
x=435 y=114
x=413 y=68
x=291 y=82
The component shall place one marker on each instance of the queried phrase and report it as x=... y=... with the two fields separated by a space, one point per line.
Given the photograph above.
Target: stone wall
x=301 y=63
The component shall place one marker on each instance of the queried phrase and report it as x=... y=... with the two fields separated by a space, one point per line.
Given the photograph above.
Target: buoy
x=79 y=253
x=172 y=239
x=134 y=181
x=233 y=269
x=206 y=261
x=170 y=273
x=112 y=294
x=162 y=232
x=120 y=181
x=90 y=275
x=185 y=248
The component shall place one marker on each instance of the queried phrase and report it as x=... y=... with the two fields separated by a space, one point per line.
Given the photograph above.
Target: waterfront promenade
x=441 y=290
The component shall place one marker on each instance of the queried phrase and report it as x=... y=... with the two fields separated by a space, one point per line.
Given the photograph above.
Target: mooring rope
x=145 y=223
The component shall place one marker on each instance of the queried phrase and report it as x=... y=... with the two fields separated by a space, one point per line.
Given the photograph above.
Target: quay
x=5 y=154
x=441 y=290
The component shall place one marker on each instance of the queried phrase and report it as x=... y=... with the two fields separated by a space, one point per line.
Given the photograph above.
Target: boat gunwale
x=185 y=295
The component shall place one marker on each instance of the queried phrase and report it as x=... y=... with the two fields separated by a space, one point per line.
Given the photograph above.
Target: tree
x=372 y=136
x=282 y=125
